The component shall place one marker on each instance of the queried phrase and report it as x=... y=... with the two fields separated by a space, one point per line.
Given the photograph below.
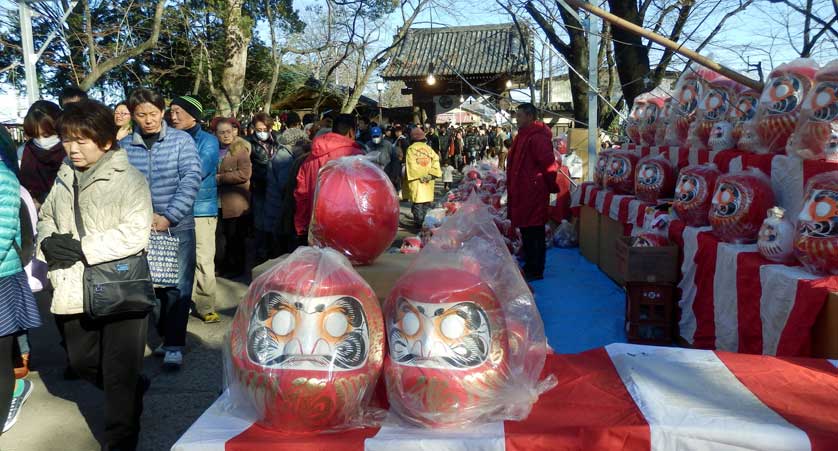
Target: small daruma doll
x=721 y=137
x=619 y=174
x=781 y=101
x=655 y=178
x=693 y=193
x=601 y=167
x=356 y=210
x=816 y=240
x=818 y=117
x=448 y=347
x=739 y=204
x=714 y=107
x=307 y=344
x=776 y=237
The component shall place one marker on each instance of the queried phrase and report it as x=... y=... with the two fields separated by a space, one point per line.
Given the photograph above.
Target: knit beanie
x=191 y=105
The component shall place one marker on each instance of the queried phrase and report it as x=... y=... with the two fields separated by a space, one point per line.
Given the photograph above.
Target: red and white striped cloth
x=621 y=397
x=624 y=209
x=732 y=299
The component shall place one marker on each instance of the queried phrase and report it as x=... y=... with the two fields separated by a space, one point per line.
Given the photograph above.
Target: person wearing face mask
x=169 y=160
x=42 y=153
x=378 y=149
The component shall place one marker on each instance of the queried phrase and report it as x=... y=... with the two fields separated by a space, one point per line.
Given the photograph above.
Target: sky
x=760 y=33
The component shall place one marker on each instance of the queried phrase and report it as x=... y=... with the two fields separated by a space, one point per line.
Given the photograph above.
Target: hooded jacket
x=115 y=206
x=324 y=148
x=531 y=176
x=420 y=161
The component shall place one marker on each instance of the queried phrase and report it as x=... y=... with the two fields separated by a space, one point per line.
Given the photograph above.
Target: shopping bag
x=163 y=259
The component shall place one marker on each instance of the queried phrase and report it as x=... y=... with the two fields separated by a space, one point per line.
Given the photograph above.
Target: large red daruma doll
x=818 y=117
x=634 y=119
x=307 y=343
x=739 y=205
x=619 y=174
x=654 y=179
x=781 y=101
x=816 y=240
x=688 y=93
x=742 y=115
x=650 y=119
x=693 y=193
x=713 y=108
x=356 y=211
x=448 y=347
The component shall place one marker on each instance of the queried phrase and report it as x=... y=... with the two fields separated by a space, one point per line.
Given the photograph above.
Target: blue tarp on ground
x=581 y=307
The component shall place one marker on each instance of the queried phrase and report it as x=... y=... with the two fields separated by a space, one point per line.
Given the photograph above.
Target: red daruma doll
x=655 y=178
x=739 y=205
x=688 y=93
x=356 y=211
x=619 y=174
x=781 y=101
x=693 y=193
x=816 y=240
x=818 y=121
x=635 y=118
x=306 y=345
x=651 y=119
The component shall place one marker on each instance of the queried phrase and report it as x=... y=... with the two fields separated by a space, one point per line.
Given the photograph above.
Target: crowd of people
x=107 y=183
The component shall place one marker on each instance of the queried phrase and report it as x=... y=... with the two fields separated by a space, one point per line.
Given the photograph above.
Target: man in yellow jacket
x=421 y=168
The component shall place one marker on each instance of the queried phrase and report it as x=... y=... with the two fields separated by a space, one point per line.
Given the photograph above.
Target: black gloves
x=61 y=250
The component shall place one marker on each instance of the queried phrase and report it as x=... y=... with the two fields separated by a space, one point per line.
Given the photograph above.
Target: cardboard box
x=825 y=330
x=646 y=264
x=589 y=234
x=381 y=275
x=578 y=141
x=610 y=231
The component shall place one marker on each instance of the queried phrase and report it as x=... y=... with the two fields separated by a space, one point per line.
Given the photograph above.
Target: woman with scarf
x=42 y=153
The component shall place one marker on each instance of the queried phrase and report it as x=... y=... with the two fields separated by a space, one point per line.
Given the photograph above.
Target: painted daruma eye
x=283 y=322
x=336 y=324
x=453 y=327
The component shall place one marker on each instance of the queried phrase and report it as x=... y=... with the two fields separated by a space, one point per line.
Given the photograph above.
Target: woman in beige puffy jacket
x=115 y=206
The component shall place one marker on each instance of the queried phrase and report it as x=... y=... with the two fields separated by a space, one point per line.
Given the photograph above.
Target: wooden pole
x=674 y=46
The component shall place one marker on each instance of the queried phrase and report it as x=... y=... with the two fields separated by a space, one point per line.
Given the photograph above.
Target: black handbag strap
x=77 y=209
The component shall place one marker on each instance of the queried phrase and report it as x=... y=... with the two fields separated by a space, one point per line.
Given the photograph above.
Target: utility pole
x=593 y=98
x=29 y=57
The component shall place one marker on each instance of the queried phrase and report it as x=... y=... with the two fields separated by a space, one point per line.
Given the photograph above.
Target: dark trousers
x=230 y=245
x=7 y=375
x=419 y=211
x=175 y=301
x=535 y=250
x=110 y=356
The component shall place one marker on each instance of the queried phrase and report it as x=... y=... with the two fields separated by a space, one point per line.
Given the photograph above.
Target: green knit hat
x=191 y=105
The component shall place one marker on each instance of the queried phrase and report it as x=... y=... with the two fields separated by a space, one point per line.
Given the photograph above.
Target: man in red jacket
x=531 y=171
x=340 y=142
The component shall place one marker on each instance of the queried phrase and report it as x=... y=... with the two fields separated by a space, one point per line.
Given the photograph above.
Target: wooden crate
x=650 y=313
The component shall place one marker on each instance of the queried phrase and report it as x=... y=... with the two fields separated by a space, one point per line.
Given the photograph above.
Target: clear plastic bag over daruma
x=305 y=348
x=816 y=135
x=781 y=102
x=466 y=342
x=356 y=211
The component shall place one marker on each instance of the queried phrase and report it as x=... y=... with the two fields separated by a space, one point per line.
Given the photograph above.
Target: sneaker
x=173 y=360
x=23 y=388
x=158 y=351
x=211 y=318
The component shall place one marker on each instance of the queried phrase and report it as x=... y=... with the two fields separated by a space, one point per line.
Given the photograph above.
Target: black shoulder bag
x=119 y=289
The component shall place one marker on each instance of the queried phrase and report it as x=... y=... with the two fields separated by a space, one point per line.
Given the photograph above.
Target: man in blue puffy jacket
x=169 y=160
x=186 y=111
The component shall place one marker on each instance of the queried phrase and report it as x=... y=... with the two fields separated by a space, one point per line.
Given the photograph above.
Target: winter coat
x=233 y=180
x=420 y=161
x=206 y=202
x=9 y=221
x=472 y=143
x=380 y=153
x=116 y=210
x=279 y=170
x=172 y=169
x=38 y=168
x=261 y=153
x=531 y=176
x=292 y=136
x=324 y=148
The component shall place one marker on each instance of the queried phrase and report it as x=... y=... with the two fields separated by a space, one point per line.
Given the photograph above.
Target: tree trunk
x=631 y=56
x=235 y=65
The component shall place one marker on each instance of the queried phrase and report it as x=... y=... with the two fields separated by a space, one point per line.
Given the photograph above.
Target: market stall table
x=621 y=396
